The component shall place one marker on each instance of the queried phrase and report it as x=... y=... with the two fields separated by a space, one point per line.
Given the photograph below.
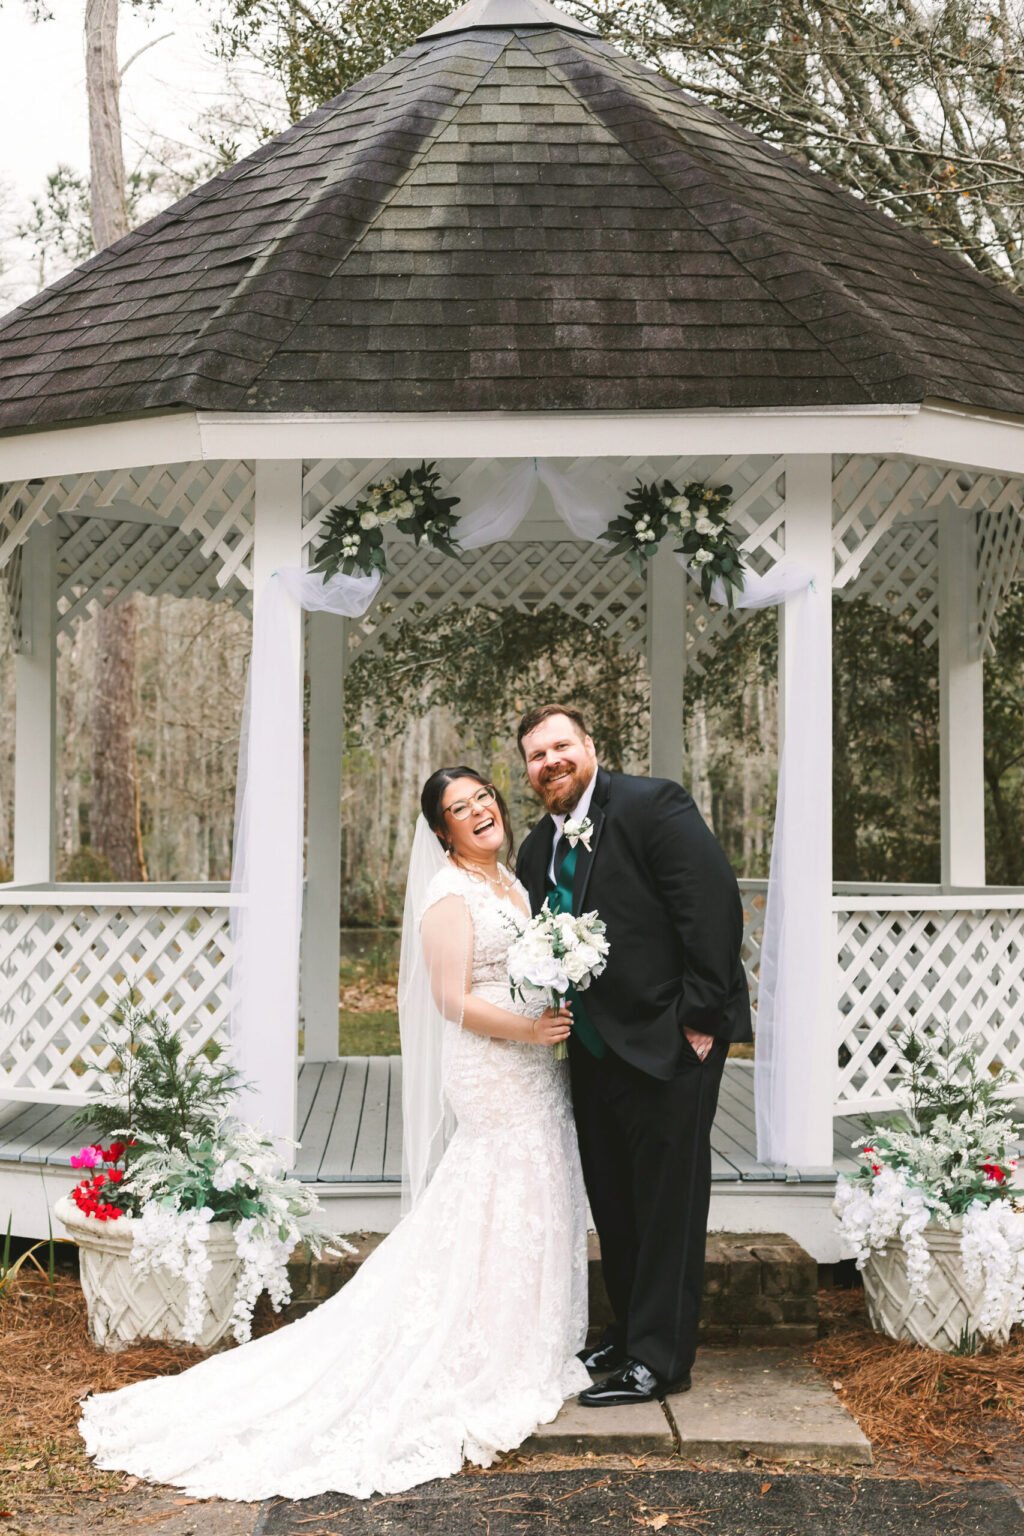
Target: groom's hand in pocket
x=699 y=1044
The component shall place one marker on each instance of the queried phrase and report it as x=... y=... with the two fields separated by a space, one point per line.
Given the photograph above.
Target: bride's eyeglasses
x=484 y=797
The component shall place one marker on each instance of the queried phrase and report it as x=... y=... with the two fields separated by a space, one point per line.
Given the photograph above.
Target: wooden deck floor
x=350 y=1128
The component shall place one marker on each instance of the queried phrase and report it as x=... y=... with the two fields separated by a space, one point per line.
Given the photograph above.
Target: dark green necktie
x=561 y=901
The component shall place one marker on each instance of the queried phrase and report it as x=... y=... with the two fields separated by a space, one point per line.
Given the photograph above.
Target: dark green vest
x=560 y=900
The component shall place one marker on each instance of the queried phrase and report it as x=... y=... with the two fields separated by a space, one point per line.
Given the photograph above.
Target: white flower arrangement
x=235 y=1175
x=353 y=540
x=945 y=1158
x=554 y=952
x=188 y=1163
x=697 y=516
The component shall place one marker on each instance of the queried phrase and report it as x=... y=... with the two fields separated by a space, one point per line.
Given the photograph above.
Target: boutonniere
x=578 y=831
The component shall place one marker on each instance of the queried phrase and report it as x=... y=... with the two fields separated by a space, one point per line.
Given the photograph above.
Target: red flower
x=116 y=1175
x=994 y=1173
x=114 y=1151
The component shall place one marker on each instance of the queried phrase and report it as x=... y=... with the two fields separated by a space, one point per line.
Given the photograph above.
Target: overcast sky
x=42 y=104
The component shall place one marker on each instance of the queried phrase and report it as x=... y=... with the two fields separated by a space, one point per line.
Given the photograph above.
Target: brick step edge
x=759 y=1288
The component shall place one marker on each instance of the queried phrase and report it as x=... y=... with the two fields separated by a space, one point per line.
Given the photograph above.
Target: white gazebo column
x=328 y=637
x=961 y=702
x=269 y=1052
x=666 y=660
x=35 y=671
x=806 y=1027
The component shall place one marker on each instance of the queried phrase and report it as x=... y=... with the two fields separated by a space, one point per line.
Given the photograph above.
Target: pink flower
x=87 y=1158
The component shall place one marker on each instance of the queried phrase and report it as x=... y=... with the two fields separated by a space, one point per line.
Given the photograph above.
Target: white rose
x=703 y=556
x=389 y=515
x=405 y=509
x=679 y=504
x=705 y=526
x=369 y=520
x=575 y=966
x=545 y=971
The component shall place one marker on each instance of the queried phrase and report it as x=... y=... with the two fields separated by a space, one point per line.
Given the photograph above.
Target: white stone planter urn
x=125 y=1307
x=947 y=1315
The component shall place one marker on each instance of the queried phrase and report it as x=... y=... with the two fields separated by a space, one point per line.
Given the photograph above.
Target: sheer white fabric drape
x=266 y=878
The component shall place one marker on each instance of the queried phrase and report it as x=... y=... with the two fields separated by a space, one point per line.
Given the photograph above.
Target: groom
x=650 y=1036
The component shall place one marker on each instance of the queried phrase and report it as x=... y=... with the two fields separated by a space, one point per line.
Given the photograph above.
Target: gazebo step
x=759 y=1288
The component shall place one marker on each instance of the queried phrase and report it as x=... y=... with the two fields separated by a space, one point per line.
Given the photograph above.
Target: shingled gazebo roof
x=510 y=216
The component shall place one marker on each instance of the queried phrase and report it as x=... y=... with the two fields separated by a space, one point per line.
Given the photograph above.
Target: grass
x=368 y=1034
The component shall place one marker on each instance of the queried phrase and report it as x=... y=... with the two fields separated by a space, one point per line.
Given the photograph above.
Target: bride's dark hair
x=432 y=795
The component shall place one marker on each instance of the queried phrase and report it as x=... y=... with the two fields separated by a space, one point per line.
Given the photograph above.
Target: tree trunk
x=106 y=156
x=113 y=817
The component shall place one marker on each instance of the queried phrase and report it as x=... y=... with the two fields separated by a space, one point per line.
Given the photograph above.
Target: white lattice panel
x=530 y=574
x=1000 y=548
x=885 y=535
x=528 y=577
x=186 y=529
x=924 y=967
x=62 y=967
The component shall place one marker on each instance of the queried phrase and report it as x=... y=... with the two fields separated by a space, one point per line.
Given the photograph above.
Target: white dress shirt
x=581 y=809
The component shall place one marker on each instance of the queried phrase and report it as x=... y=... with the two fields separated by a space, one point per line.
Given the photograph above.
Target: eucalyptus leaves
x=696 y=515
x=353 y=540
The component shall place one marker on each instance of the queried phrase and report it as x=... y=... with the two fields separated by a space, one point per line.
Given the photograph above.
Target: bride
x=459 y=1334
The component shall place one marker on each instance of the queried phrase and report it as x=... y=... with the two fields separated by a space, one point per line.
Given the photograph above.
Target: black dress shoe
x=606 y=1355
x=633 y=1383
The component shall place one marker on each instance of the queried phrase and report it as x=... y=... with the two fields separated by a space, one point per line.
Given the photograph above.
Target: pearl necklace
x=500 y=884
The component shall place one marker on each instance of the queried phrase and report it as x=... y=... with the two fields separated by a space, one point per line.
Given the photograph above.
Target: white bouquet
x=557 y=951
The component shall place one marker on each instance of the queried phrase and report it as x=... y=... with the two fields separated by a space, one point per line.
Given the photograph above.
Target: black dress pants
x=645 y=1146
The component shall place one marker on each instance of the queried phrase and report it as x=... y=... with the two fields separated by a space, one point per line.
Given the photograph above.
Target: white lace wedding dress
x=454 y=1340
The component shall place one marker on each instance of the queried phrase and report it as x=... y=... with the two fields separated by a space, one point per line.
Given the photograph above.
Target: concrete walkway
x=759 y=1402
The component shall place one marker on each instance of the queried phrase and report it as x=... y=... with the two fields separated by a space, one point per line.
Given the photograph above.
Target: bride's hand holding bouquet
x=557 y=951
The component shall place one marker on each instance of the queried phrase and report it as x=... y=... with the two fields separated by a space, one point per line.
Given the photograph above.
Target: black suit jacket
x=667 y=893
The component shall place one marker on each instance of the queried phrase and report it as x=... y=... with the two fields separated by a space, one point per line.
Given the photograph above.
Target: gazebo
x=513 y=243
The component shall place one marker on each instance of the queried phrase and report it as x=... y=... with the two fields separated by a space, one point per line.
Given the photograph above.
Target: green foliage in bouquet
x=353 y=540
x=697 y=515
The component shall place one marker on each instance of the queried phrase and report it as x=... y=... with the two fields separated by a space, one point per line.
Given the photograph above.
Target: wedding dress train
x=455 y=1338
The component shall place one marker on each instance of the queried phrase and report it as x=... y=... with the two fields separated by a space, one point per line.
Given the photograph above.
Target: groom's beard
x=561 y=795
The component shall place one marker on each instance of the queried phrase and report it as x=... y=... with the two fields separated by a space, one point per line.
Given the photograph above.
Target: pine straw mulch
x=47 y=1364
x=924 y=1411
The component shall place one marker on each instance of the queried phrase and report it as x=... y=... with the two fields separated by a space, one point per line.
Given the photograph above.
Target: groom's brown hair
x=533 y=718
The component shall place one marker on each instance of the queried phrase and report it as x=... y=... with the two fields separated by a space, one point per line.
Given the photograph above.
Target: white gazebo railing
x=922 y=960
x=68 y=953
x=904 y=955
